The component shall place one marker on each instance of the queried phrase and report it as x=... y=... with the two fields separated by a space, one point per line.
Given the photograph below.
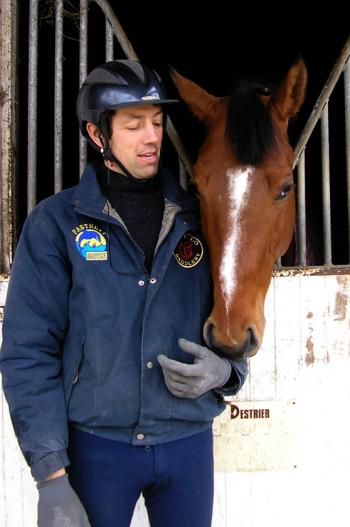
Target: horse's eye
x=285 y=190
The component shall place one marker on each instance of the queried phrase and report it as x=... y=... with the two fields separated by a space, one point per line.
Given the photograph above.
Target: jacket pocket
x=72 y=359
x=202 y=409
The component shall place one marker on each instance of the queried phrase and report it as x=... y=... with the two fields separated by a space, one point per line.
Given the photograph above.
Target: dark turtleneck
x=140 y=204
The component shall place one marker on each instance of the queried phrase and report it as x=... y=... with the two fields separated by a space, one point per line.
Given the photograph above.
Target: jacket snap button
x=141 y=283
x=150 y=365
x=140 y=437
x=153 y=280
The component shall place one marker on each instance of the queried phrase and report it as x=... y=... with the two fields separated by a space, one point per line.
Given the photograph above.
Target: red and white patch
x=189 y=251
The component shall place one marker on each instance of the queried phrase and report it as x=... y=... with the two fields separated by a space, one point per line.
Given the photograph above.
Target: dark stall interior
x=212 y=47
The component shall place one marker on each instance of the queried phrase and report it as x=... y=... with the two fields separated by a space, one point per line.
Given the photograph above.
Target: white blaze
x=238 y=188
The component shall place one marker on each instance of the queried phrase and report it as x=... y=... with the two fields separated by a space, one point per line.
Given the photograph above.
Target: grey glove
x=192 y=380
x=59 y=505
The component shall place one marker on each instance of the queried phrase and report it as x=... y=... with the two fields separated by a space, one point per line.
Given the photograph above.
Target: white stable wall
x=284 y=459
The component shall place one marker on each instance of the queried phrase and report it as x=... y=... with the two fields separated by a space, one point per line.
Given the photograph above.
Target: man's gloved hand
x=192 y=380
x=59 y=505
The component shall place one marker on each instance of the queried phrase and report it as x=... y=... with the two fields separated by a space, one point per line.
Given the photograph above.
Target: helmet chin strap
x=107 y=153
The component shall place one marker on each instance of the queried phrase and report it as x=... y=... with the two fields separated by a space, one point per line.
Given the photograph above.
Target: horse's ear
x=200 y=102
x=290 y=94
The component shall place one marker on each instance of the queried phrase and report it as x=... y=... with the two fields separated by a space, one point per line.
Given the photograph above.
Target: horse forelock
x=249 y=126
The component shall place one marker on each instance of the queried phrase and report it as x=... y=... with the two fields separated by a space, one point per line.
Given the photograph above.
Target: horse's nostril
x=251 y=342
x=207 y=333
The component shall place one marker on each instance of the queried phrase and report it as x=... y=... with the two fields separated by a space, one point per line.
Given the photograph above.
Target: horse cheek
x=288 y=225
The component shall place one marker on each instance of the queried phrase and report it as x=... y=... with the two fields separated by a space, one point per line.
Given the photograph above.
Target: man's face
x=136 y=137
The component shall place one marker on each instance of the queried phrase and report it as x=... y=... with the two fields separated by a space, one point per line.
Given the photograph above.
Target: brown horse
x=244 y=179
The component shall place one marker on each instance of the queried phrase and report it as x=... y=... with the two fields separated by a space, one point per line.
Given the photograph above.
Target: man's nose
x=151 y=134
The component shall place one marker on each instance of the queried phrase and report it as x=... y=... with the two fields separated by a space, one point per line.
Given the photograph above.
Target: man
x=110 y=392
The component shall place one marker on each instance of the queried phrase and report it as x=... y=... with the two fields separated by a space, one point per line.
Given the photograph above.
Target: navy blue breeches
x=175 y=479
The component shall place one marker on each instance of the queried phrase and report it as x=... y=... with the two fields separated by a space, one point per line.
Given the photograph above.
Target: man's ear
x=95 y=134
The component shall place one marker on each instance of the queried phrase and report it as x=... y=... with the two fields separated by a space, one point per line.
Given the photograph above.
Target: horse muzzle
x=232 y=349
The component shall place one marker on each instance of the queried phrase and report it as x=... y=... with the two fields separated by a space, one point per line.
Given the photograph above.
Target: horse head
x=244 y=178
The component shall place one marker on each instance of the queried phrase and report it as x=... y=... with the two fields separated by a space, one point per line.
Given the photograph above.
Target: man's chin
x=146 y=174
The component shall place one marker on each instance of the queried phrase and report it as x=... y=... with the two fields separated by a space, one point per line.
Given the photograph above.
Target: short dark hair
x=109 y=116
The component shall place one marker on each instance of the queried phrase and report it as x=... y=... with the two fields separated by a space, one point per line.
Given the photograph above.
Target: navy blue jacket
x=84 y=323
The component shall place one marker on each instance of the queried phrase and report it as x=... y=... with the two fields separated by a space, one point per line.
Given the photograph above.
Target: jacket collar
x=88 y=198
x=174 y=193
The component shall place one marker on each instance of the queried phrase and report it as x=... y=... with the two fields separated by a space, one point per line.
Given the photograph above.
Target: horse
x=244 y=179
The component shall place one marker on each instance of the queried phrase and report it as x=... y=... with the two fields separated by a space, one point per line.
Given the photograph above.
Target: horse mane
x=249 y=126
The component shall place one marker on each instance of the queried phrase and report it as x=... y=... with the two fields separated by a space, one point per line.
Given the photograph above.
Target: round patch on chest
x=189 y=251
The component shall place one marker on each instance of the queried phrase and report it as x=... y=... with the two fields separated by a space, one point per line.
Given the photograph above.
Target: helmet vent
x=103 y=76
x=136 y=68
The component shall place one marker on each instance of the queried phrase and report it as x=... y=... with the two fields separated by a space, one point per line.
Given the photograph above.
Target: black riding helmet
x=113 y=85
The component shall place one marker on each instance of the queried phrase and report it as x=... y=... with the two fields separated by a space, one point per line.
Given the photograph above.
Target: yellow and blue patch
x=90 y=242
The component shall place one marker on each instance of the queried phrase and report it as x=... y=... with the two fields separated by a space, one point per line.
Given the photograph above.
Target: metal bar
x=58 y=94
x=179 y=146
x=301 y=241
x=326 y=192
x=83 y=44
x=347 y=139
x=32 y=103
x=322 y=100
x=183 y=175
x=131 y=54
x=119 y=32
x=8 y=60
x=109 y=42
